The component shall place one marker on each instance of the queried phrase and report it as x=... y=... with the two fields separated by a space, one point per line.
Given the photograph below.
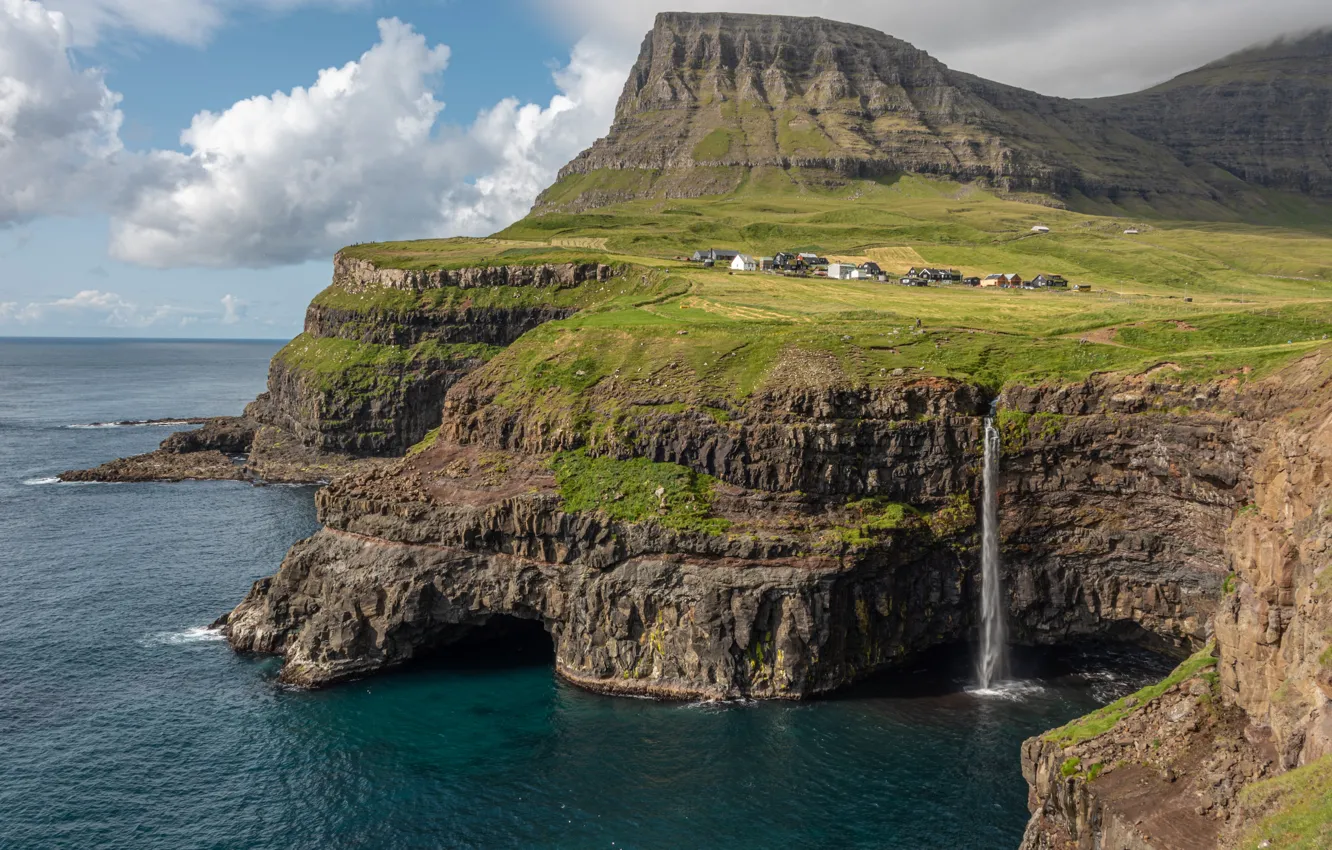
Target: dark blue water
x=124 y=725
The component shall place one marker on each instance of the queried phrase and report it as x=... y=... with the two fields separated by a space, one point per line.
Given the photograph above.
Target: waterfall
x=992 y=664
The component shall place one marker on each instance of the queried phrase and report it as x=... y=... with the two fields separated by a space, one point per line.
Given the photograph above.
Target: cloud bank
x=360 y=154
x=112 y=310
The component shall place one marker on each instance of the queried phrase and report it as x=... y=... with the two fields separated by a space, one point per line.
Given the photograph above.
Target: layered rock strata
x=1114 y=518
x=1176 y=767
x=365 y=381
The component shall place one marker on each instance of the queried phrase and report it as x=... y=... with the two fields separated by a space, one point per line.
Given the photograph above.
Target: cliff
x=1220 y=753
x=367 y=377
x=807 y=538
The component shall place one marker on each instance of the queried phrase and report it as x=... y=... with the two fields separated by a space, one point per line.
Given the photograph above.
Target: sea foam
x=198 y=634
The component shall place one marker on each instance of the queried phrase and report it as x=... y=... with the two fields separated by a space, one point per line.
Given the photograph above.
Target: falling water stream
x=992 y=663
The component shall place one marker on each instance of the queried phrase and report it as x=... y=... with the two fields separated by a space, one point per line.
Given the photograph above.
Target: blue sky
x=188 y=167
x=499 y=49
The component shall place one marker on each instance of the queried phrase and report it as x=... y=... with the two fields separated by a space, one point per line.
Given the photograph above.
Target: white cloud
x=233 y=309
x=59 y=125
x=1077 y=48
x=529 y=144
x=185 y=21
x=106 y=308
x=359 y=155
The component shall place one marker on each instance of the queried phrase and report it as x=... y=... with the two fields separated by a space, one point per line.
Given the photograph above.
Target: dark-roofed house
x=1049 y=281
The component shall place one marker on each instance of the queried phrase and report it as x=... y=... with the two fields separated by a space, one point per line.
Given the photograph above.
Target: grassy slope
x=1260 y=296
x=1292 y=811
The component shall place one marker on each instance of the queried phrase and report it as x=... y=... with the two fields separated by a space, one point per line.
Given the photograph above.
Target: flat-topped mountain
x=715 y=97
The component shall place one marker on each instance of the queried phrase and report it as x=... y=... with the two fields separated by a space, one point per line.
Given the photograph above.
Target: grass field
x=1198 y=299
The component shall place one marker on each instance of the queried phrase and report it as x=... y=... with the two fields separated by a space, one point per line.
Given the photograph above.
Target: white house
x=1040 y=228
x=1132 y=231
x=841 y=271
x=744 y=263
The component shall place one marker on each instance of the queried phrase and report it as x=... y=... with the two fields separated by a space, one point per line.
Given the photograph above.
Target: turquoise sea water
x=124 y=724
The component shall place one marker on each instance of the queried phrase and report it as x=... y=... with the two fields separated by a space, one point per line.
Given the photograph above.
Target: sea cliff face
x=1115 y=507
x=366 y=379
x=685 y=542
x=1190 y=764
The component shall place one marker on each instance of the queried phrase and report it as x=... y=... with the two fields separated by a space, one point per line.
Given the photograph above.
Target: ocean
x=125 y=723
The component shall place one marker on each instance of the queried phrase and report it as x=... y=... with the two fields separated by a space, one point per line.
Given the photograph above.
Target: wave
x=1014 y=690
x=35 y=482
x=142 y=423
x=198 y=634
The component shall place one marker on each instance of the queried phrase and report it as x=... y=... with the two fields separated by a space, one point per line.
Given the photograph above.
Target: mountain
x=717 y=100
x=1264 y=114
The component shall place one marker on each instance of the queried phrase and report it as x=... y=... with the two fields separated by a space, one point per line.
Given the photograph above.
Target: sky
x=186 y=168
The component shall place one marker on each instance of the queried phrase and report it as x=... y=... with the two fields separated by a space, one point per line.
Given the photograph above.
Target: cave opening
x=500 y=641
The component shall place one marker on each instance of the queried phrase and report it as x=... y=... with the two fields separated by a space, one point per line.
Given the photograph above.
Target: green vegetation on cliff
x=1182 y=301
x=463 y=253
x=637 y=490
x=1103 y=719
x=348 y=367
x=1293 y=811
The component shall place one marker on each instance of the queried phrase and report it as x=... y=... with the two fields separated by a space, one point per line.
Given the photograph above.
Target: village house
x=1003 y=281
x=744 y=263
x=765 y=264
x=715 y=254
x=971 y=281
x=1049 y=281
x=869 y=270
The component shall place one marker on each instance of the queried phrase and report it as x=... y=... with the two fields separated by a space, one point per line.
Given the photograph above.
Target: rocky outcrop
x=414 y=560
x=1168 y=775
x=1176 y=763
x=354 y=274
x=227 y=448
x=368 y=376
x=380 y=408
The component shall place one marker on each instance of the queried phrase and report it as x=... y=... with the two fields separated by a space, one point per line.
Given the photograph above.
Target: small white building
x=841 y=271
x=1132 y=231
x=744 y=263
x=1040 y=228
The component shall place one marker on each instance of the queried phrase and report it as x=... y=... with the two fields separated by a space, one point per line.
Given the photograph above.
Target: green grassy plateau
x=1260 y=296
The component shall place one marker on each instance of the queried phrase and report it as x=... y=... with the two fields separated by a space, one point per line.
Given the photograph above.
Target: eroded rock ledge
x=1116 y=500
